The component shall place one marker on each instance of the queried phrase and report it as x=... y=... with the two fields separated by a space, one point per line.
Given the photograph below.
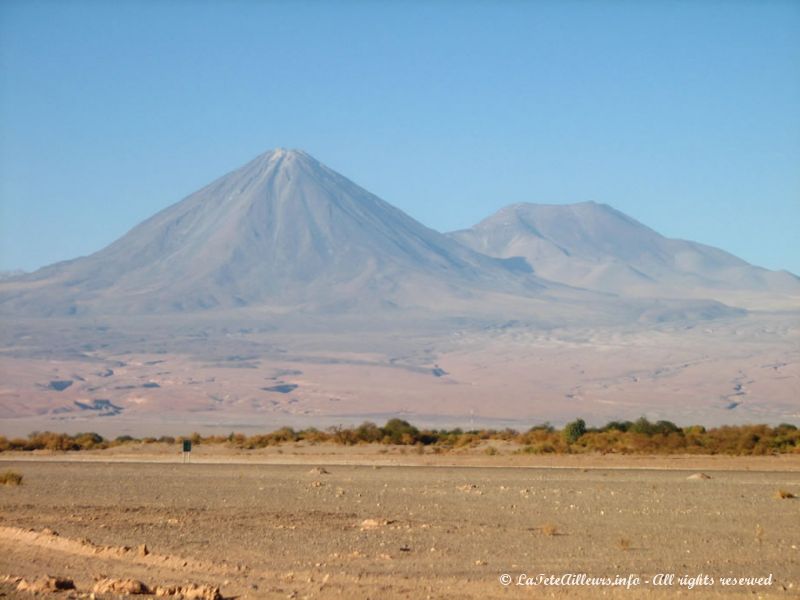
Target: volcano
x=594 y=246
x=284 y=230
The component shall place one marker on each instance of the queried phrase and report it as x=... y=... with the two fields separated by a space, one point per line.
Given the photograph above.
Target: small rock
x=200 y=592
x=120 y=586
x=375 y=523
x=45 y=584
x=699 y=476
x=192 y=591
x=165 y=590
x=371 y=524
x=319 y=471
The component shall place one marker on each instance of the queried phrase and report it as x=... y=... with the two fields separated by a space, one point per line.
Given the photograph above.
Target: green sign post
x=187 y=448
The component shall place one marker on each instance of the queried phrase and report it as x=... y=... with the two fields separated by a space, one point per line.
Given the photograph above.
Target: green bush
x=397 y=431
x=573 y=431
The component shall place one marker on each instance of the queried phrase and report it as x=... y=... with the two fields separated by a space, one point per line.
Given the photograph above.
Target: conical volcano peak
x=285 y=155
x=281 y=161
x=266 y=176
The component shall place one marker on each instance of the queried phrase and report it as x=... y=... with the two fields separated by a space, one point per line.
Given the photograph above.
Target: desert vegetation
x=623 y=437
x=10 y=478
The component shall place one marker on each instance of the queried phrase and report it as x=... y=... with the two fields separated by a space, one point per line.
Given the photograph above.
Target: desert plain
x=150 y=377
x=299 y=521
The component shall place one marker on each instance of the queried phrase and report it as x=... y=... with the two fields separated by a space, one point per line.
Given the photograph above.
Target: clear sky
x=682 y=114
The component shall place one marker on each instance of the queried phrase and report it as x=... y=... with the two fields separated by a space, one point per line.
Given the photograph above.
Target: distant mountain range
x=286 y=232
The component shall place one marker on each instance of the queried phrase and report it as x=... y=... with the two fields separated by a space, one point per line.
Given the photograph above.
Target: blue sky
x=684 y=115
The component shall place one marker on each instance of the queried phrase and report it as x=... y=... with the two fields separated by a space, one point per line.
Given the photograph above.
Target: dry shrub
x=623 y=437
x=784 y=495
x=10 y=478
x=549 y=529
x=624 y=543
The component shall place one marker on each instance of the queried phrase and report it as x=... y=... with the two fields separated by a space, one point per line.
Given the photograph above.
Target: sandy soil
x=320 y=528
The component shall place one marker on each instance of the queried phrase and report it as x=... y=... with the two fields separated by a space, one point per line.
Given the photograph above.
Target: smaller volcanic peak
x=587 y=230
x=594 y=246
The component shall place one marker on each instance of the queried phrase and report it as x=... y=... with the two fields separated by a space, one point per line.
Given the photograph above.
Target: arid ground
x=132 y=381
x=374 y=522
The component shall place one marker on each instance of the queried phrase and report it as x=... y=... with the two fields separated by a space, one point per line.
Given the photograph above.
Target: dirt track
x=278 y=531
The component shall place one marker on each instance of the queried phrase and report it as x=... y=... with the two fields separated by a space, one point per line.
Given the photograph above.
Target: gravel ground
x=295 y=531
